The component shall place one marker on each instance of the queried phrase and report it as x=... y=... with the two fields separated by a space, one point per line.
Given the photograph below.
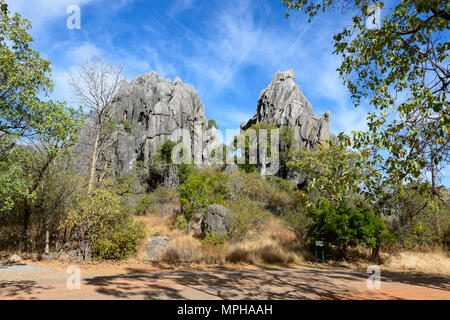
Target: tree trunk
x=47 y=238
x=27 y=207
x=26 y=222
x=376 y=254
x=433 y=186
x=93 y=163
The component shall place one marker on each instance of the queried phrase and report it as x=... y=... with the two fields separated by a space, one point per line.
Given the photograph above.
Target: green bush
x=215 y=238
x=126 y=125
x=202 y=189
x=152 y=201
x=181 y=223
x=242 y=185
x=103 y=221
x=345 y=227
x=120 y=242
x=296 y=216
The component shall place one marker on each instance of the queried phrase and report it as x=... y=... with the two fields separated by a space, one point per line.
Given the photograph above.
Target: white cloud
x=182 y=5
x=81 y=53
x=236 y=36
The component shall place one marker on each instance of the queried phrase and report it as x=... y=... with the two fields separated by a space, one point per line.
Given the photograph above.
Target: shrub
x=344 y=227
x=120 y=242
x=181 y=223
x=155 y=199
x=215 y=239
x=247 y=215
x=258 y=251
x=105 y=224
x=171 y=255
x=241 y=185
x=272 y=254
x=126 y=125
x=297 y=215
x=202 y=189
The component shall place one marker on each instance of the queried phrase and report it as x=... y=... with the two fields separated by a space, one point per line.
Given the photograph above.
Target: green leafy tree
x=163 y=171
x=212 y=123
x=46 y=126
x=345 y=227
x=334 y=173
x=401 y=69
x=286 y=146
x=24 y=79
x=202 y=189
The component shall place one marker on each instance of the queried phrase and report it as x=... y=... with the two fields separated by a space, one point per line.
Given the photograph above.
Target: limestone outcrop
x=152 y=108
x=282 y=103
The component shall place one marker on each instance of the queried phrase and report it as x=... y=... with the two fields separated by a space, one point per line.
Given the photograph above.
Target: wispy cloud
x=215 y=53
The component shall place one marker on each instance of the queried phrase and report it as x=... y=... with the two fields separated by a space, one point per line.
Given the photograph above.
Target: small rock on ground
x=156 y=246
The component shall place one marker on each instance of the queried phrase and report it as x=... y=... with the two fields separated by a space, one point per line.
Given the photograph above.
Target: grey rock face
x=216 y=218
x=282 y=103
x=156 y=246
x=154 y=108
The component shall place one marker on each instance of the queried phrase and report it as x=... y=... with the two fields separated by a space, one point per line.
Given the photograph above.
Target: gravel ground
x=21 y=269
x=42 y=283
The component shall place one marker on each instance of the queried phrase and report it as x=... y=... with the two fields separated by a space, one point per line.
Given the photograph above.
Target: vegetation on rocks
x=370 y=193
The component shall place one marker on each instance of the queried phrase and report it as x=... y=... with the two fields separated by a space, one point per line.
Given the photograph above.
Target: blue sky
x=228 y=50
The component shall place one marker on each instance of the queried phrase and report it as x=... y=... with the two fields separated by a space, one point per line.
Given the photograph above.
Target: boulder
x=156 y=246
x=15 y=259
x=216 y=218
x=48 y=256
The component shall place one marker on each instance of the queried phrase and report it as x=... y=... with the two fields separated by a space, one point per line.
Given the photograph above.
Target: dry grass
x=275 y=244
x=437 y=261
x=156 y=225
x=284 y=237
x=261 y=251
x=269 y=246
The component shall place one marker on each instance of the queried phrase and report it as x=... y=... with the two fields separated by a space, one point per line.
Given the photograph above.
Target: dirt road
x=38 y=283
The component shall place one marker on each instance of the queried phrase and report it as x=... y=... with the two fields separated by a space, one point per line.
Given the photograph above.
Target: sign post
x=320 y=244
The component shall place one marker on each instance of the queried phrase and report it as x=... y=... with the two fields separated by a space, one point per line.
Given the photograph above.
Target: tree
x=42 y=125
x=333 y=172
x=251 y=141
x=401 y=69
x=24 y=79
x=345 y=227
x=95 y=86
x=212 y=123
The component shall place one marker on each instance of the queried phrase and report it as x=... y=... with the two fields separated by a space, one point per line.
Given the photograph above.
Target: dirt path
x=220 y=284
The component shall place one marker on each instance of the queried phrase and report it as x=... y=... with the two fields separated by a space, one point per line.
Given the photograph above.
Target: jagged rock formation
x=282 y=103
x=154 y=108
